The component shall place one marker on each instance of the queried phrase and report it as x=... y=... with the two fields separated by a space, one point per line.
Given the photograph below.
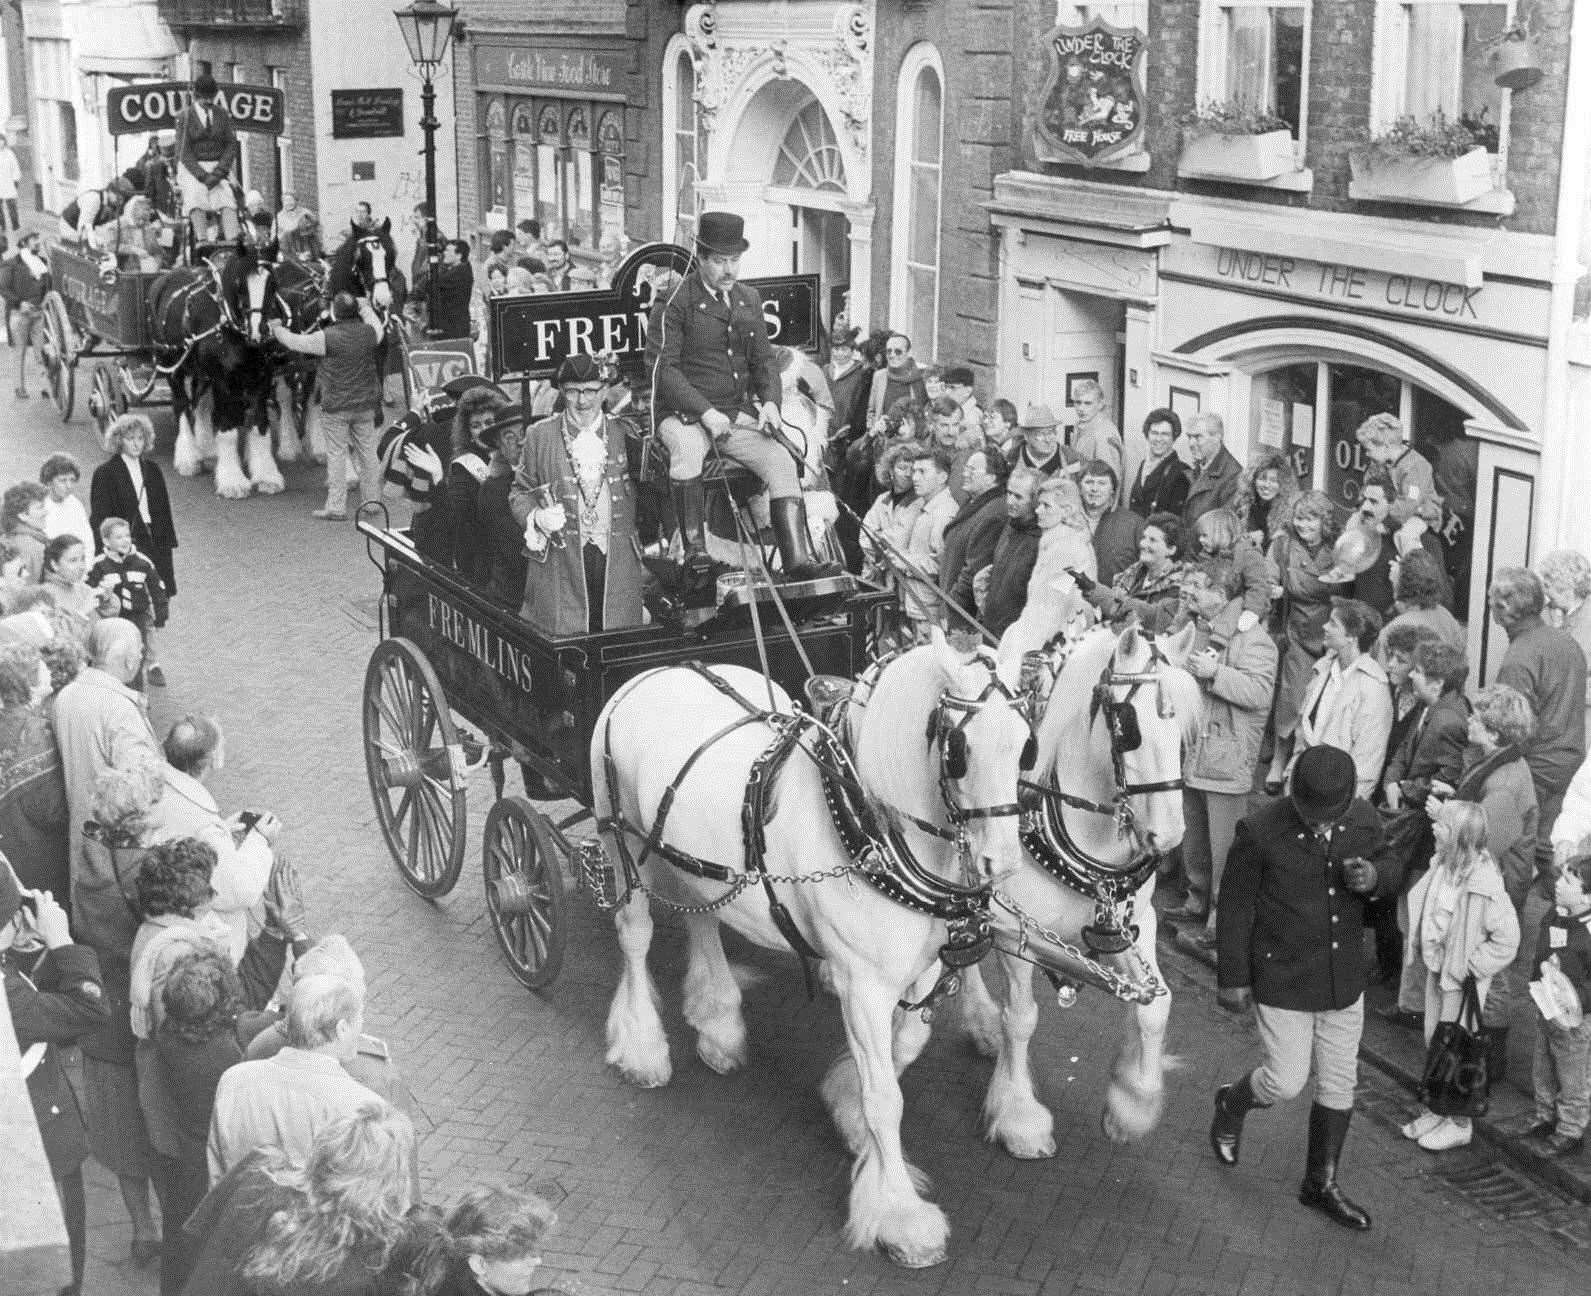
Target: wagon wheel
x=58 y=351
x=522 y=860
x=411 y=755
x=102 y=399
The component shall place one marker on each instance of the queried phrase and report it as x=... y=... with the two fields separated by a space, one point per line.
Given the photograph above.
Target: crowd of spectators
x=225 y=1059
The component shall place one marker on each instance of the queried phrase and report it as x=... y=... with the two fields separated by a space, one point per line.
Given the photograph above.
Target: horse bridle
x=368 y=241
x=1121 y=723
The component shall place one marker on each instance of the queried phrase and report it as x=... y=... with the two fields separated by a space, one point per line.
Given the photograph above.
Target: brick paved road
x=737 y=1185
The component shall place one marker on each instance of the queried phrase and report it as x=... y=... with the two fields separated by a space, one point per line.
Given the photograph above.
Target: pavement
x=738 y=1184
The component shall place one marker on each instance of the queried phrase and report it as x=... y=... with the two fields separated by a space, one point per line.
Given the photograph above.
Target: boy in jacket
x=140 y=593
x=1561 y=1074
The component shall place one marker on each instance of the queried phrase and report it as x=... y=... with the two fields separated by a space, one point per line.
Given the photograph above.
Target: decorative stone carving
x=844 y=53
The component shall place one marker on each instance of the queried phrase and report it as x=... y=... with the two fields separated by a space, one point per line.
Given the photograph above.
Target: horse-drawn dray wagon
x=891 y=822
x=102 y=299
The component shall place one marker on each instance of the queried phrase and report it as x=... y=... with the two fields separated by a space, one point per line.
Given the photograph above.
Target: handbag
x=1456 y=1082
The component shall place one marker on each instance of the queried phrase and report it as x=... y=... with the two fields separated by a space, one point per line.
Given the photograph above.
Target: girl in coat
x=1220 y=537
x=1066 y=551
x=1265 y=495
x=1463 y=925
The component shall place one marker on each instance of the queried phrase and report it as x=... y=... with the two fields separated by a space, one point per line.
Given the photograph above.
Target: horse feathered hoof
x=270 y=487
x=912 y=1257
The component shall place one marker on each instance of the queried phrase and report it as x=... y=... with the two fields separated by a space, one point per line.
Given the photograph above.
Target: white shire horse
x=674 y=746
x=1110 y=762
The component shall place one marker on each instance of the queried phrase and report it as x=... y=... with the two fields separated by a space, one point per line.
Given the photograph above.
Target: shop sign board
x=1091 y=108
x=367 y=114
x=546 y=67
x=152 y=106
x=532 y=335
x=1507 y=306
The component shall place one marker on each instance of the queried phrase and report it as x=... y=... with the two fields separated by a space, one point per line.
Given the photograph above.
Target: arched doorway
x=787 y=161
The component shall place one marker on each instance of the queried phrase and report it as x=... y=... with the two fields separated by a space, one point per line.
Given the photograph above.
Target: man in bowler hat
x=1288 y=929
x=716 y=383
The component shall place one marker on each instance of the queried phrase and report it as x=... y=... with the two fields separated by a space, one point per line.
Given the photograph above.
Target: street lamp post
x=428 y=31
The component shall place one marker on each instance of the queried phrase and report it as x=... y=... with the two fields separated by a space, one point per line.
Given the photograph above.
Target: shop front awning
x=121 y=41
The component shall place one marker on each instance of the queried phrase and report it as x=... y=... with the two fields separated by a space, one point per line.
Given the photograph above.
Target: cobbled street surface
x=738 y=1184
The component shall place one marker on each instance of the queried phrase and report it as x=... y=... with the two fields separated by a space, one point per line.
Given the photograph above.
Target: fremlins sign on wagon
x=1092 y=105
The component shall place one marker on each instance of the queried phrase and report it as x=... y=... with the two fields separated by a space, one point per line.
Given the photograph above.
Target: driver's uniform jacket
x=706 y=355
x=1237 y=700
x=1287 y=925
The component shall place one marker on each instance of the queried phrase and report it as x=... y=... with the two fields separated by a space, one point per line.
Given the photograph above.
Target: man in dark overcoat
x=55 y=998
x=573 y=495
x=715 y=382
x=207 y=150
x=1288 y=930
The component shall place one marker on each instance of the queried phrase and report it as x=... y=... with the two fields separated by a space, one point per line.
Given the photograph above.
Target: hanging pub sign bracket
x=1091 y=109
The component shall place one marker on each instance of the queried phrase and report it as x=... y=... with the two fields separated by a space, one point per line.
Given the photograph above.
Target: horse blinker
x=956 y=754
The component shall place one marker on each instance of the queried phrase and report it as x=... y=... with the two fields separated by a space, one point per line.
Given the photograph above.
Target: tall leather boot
x=789 y=518
x=1328 y=1130
x=690 y=512
x=1232 y=1103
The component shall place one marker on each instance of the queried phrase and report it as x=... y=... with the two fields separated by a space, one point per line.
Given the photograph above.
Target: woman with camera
x=54 y=989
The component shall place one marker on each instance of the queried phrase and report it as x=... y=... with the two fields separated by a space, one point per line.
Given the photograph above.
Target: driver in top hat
x=716 y=383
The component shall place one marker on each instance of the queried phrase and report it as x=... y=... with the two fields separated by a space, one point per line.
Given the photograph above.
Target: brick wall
x=982 y=54
x=256 y=52
x=1340 y=60
x=642 y=25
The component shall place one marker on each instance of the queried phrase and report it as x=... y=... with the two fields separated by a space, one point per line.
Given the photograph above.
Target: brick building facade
x=1276 y=281
x=557 y=109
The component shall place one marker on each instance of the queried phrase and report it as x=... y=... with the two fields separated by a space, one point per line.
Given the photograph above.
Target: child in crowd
x=1562 y=1070
x=140 y=593
x=1221 y=536
x=64 y=513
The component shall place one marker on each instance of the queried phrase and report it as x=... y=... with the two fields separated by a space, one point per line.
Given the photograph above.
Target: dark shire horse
x=366 y=265
x=302 y=289
x=212 y=327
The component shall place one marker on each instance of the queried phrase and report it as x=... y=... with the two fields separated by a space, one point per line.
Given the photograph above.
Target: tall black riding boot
x=1328 y=1129
x=1232 y=1103
x=789 y=517
x=690 y=511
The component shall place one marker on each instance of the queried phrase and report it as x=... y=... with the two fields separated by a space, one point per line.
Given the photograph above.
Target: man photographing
x=716 y=383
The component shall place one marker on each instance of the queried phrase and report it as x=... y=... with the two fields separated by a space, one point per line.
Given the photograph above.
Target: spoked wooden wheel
x=58 y=351
x=522 y=861
x=102 y=398
x=416 y=767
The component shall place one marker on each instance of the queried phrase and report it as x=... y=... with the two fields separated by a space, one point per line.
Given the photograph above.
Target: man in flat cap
x=573 y=495
x=716 y=382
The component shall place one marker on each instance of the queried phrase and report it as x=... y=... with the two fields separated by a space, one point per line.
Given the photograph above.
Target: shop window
x=919 y=152
x=551 y=164
x=1310 y=411
x=1256 y=56
x=1435 y=57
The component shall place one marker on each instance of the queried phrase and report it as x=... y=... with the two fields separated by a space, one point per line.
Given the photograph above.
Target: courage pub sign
x=1091 y=108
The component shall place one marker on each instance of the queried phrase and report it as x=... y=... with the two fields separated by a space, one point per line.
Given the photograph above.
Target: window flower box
x=1442 y=181
x=1213 y=155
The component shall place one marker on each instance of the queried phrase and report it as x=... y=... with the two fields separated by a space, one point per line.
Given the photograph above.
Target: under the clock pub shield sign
x=1092 y=104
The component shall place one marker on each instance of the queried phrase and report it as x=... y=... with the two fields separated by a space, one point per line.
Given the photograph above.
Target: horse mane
x=1068 y=716
x=893 y=754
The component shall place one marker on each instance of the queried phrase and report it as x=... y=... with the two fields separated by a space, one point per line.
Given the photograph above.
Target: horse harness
x=883 y=858
x=1045 y=834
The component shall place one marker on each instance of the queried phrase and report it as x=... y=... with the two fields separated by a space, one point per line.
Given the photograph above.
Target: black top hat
x=1324 y=780
x=722 y=233
x=579 y=368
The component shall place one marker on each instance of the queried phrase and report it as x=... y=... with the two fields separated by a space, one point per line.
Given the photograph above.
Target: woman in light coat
x=1348 y=703
x=1463 y=926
